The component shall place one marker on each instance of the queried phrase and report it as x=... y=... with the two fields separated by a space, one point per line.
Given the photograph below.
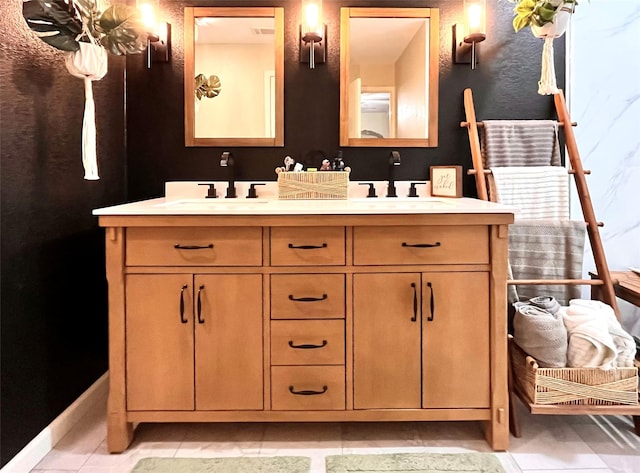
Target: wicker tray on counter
x=313 y=185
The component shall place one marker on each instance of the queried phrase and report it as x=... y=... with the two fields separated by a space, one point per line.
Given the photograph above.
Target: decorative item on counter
x=338 y=163
x=86 y=30
x=290 y=165
x=326 y=165
x=548 y=20
x=446 y=181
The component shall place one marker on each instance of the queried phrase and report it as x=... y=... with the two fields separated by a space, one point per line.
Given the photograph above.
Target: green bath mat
x=415 y=463
x=224 y=465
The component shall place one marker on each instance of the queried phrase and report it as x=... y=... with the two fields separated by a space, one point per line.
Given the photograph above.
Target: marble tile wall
x=603 y=61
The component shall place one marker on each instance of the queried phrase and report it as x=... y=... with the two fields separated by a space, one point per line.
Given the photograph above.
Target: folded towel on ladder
x=520 y=143
x=536 y=192
x=547 y=249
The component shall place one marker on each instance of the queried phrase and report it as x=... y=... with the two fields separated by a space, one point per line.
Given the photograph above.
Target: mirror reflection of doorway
x=377 y=117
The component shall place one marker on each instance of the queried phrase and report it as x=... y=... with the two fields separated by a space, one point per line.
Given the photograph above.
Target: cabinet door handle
x=307 y=392
x=415 y=302
x=307 y=247
x=307 y=346
x=307 y=299
x=200 y=319
x=182 y=317
x=420 y=245
x=178 y=246
x=432 y=304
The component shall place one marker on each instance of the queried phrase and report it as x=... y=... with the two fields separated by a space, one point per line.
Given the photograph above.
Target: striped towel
x=536 y=192
x=520 y=143
x=547 y=249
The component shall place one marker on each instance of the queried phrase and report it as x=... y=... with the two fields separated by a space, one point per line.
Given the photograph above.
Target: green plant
x=537 y=12
x=64 y=23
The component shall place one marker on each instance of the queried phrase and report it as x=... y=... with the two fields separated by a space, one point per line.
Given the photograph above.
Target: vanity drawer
x=307 y=342
x=302 y=388
x=194 y=246
x=307 y=246
x=464 y=244
x=307 y=296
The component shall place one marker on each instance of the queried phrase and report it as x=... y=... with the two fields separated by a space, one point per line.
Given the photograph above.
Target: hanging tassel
x=547 y=84
x=89 y=154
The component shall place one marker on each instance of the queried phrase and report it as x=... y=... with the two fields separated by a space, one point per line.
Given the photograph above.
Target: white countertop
x=188 y=199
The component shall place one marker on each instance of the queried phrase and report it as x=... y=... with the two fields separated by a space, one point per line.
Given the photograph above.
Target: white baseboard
x=37 y=449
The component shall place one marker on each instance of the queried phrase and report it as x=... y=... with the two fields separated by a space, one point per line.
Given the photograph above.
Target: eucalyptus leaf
x=122 y=30
x=56 y=22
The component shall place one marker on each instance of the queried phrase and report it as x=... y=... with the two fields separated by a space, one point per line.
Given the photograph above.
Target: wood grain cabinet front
x=307 y=296
x=421 y=245
x=194 y=342
x=307 y=342
x=194 y=246
x=421 y=340
x=307 y=246
x=307 y=388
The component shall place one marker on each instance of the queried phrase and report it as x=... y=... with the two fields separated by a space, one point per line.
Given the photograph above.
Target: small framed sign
x=446 y=181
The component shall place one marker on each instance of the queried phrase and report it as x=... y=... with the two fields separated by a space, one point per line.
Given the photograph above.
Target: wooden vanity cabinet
x=232 y=318
x=194 y=342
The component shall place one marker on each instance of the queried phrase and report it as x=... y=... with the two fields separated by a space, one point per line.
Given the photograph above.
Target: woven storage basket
x=313 y=185
x=572 y=386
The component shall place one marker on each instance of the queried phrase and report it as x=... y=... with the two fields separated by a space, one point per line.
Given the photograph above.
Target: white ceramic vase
x=558 y=26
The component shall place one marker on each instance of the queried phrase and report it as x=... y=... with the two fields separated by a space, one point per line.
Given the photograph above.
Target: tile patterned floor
x=549 y=444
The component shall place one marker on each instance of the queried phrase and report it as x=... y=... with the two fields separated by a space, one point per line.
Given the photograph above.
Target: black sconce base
x=461 y=50
x=160 y=50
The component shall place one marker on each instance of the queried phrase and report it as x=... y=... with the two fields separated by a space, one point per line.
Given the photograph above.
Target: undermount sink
x=402 y=202
x=209 y=203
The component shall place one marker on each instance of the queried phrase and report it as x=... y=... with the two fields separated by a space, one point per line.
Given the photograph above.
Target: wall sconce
x=158 y=33
x=471 y=32
x=313 y=34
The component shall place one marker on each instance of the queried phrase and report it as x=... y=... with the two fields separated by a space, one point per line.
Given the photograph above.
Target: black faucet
x=394 y=160
x=226 y=161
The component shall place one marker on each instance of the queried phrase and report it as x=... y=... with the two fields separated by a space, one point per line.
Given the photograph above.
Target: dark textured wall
x=504 y=85
x=53 y=310
x=53 y=289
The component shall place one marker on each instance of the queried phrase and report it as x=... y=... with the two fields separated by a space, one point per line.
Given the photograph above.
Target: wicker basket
x=313 y=185
x=572 y=386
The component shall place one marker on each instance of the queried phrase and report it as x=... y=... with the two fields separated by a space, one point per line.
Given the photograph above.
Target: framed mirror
x=389 y=77
x=234 y=76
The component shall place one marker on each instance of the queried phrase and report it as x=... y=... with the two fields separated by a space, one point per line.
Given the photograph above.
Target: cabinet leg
x=496 y=431
x=119 y=433
x=636 y=424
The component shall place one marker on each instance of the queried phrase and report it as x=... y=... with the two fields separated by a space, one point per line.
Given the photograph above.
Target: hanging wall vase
x=549 y=31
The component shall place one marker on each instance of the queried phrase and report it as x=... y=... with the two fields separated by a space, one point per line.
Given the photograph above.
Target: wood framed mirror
x=389 y=77
x=234 y=76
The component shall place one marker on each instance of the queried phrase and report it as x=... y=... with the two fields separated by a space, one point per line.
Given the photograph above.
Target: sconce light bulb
x=148 y=15
x=474 y=14
x=312 y=15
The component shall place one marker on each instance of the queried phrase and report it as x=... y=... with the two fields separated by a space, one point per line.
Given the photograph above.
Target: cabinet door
x=228 y=341
x=455 y=341
x=159 y=342
x=386 y=334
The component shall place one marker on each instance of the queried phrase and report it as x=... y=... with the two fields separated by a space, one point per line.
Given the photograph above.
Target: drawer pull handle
x=307 y=346
x=308 y=299
x=182 y=317
x=200 y=319
x=421 y=245
x=307 y=247
x=432 y=304
x=178 y=246
x=415 y=303
x=307 y=392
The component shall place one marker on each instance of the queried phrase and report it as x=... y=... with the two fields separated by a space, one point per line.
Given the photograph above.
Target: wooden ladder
x=604 y=278
x=603 y=281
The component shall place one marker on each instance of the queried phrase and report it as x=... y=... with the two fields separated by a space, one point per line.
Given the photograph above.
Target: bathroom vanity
x=269 y=310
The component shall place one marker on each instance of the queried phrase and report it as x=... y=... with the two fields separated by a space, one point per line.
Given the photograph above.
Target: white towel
x=539 y=192
x=624 y=343
x=590 y=344
x=520 y=143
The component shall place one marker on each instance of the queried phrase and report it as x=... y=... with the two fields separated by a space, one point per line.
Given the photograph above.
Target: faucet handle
x=252 y=194
x=412 y=189
x=372 y=190
x=211 y=192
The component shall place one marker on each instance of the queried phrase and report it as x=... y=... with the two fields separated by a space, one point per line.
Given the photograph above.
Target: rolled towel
x=623 y=341
x=590 y=344
x=541 y=334
x=548 y=303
